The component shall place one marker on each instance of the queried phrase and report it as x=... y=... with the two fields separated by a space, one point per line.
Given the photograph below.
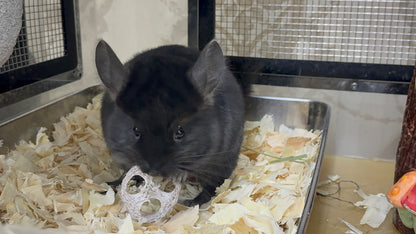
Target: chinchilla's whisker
x=204 y=175
x=189 y=163
x=220 y=153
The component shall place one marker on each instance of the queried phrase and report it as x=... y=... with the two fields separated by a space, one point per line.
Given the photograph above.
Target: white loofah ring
x=148 y=190
x=10 y=24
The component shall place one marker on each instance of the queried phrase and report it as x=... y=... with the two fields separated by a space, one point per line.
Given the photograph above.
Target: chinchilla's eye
x=137 y=132
x=180 y=133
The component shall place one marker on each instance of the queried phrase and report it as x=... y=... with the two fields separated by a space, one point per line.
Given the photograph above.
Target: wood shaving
x=58 y=183
x=352 y=228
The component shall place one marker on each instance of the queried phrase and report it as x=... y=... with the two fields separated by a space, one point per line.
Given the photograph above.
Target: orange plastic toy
x=403 y=193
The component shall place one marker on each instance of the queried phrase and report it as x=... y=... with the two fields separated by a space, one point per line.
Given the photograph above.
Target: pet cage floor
x=373 y=177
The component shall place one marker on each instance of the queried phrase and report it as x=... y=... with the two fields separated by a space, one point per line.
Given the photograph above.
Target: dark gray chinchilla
x=173 y=111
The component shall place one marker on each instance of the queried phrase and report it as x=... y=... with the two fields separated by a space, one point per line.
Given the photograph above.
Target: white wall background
x=130 y=26
x=362 y=124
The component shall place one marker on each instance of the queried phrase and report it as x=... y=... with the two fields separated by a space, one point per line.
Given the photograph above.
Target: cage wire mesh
x=41 y=37
x=358 y=31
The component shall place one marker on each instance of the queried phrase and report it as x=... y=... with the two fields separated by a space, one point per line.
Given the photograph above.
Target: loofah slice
x=148 y=190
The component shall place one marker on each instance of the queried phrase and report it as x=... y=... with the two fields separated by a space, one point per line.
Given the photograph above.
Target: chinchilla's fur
x=173 y=111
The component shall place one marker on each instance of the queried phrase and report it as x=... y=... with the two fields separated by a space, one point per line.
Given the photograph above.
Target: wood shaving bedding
x=58 y=183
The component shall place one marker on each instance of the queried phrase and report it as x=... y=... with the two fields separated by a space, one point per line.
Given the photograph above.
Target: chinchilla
x=173 y=111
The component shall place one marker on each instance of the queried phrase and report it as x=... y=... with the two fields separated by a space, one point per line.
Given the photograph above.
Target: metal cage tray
x=298 y=113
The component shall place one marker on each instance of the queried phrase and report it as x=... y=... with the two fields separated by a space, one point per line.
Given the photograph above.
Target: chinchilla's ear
x=208 y=70
x=110 y=69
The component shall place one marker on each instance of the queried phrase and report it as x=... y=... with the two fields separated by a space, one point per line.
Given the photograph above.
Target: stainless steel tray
x=298 y=113
x=295 y=113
